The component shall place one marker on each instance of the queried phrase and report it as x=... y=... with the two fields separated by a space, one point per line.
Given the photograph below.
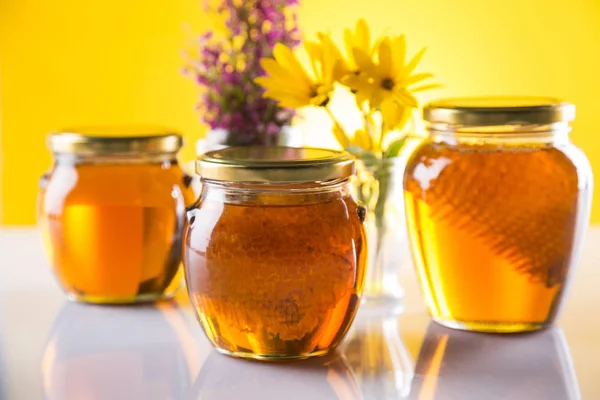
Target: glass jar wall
x=497 y=202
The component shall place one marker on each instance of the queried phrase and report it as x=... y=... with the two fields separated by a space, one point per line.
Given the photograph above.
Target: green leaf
x=395 y=147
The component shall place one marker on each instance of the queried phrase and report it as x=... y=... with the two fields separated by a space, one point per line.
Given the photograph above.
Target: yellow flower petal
x=340 y=136
x=385 y=58
x=315 y=54
x=426 y=87
x=410 y=67
x=279 y=75
x=378 y=96
x=362 y=140
x=363 y=36
x=394 y=116
x=292 y=102
x=349 y=45
x=324 y=89
x=285 y=57
x=319 y=101
x=334 y=65
x=364 y=62
x=410 y=80
x=405 y=98
x=398 y=52
x=286 y=99
x=282 y=88
x=389 y=110
x=359 y=84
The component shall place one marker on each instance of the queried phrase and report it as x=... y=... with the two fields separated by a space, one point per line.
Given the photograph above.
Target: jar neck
x=73 y=159
x=274 y=193
x=515 y=134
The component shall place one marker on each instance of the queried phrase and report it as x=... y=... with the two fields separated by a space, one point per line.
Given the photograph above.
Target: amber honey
x=496 y=224
x=113 y=227
x=275 y=270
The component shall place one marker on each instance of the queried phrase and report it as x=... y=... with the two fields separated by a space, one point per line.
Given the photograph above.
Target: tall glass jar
x=497 y=201
x=112 y=211
x=275 y=251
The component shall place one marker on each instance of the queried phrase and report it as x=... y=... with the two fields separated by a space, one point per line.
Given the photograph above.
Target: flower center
x=314 y=92
x=387 y=84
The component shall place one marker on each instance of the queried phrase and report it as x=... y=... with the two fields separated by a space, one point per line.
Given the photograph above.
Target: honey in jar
x=497 y=202
x=112 y=213
x=275 y=251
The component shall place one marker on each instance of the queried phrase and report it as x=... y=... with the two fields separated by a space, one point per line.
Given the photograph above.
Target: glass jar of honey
x=275 y=251
x=112 y=212
x=497 y=202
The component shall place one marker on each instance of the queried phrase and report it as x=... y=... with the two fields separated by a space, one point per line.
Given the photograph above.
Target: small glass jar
x=112 y=212
x=275 y=251
x=497 y=202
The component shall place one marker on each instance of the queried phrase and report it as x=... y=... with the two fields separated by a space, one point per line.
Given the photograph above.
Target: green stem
x=382 y=175
x=368 y=128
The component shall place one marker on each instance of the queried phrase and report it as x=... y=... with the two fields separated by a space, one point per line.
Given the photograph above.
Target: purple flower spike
x=230 y=99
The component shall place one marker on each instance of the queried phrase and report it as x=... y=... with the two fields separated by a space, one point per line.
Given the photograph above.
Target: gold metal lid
x=499 y=110
x=115 y=140
x=275 y=164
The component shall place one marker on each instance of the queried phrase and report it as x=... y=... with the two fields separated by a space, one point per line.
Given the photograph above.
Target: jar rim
x=499 y=111
x=129 y=140
x=276 y=164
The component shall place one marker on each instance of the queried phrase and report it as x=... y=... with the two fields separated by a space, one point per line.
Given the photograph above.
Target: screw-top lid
x=115 y=140
x=275 y=164
x=499 y=110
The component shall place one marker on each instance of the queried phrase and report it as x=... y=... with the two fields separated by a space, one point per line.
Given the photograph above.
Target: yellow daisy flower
x=290 y=84
x=389 y=79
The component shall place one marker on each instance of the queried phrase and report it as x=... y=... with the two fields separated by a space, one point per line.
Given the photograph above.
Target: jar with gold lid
x=497 y=202
x=275 y=251
x=112 y=212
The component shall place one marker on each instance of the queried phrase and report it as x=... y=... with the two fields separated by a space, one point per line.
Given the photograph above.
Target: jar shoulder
x=335 y=219
x=112 y=184
x=430 y=159
x=580 y=162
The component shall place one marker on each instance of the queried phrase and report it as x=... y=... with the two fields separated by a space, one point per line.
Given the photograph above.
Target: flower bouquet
x=383 y=83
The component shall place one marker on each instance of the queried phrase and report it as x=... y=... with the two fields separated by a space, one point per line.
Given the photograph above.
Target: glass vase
x=378 y=184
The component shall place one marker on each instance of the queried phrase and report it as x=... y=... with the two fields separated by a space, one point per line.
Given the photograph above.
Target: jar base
x=143 y=298
x=492 y=327
x=273 y=358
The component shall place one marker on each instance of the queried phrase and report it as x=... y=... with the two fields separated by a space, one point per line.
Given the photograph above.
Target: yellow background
x=69 y=62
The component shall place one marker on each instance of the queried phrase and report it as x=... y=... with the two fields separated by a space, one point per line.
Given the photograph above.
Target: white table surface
x=53 y=349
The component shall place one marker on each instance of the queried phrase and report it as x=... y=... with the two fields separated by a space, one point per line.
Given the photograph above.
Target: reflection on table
x=116 y=352
x=462 y=365
x=226 y=378
x=379 y=360
x=149 y=352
